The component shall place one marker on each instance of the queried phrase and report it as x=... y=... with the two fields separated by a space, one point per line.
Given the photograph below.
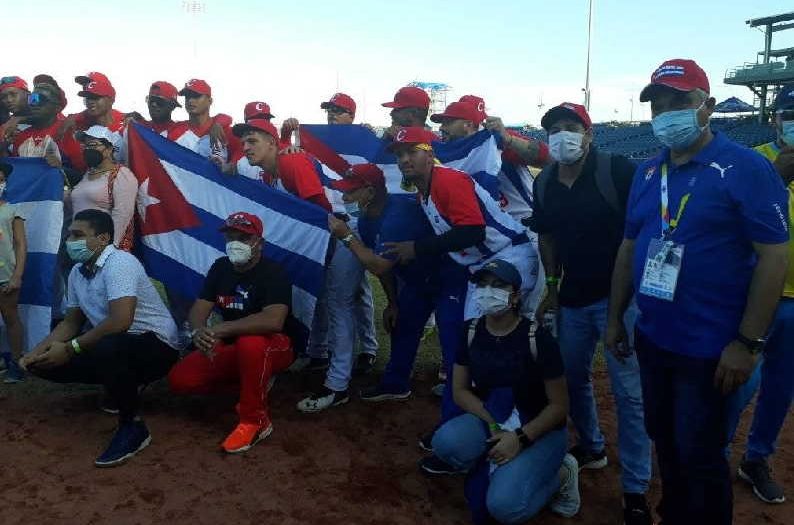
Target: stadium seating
x=636 y=140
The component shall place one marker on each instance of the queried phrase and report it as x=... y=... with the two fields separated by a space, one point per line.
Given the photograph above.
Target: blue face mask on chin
x=678 y=129
x=787 y=134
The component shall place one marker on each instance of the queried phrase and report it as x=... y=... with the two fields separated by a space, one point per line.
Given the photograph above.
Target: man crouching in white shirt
x=132 y=338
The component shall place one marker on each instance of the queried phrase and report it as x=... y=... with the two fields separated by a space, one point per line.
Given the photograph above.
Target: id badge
x=662 y=266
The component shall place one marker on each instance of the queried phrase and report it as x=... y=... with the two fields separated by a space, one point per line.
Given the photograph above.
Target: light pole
x=587 y=74
x=631 y=114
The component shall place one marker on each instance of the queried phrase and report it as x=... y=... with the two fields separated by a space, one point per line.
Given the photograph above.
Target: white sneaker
x=567 y=501
x=325 y=399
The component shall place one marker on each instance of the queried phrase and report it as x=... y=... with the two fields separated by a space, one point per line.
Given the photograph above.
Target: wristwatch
x=753 y=345
x=347 y=239
x=523 y=438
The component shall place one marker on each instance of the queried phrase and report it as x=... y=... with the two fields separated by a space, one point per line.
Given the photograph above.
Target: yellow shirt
x=771 y=150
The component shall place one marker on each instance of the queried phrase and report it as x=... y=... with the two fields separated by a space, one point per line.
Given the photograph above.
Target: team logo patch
x=481 y=106
x=400 y=135
x=669 y=70
x=260 y=106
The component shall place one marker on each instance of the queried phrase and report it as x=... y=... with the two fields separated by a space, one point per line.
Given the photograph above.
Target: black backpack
x=603 y=177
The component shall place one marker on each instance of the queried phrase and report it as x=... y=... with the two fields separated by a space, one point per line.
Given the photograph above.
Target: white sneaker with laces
x=567 y=501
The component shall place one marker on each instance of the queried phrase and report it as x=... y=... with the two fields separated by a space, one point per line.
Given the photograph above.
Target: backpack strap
x=541 y=183
x=605 y=182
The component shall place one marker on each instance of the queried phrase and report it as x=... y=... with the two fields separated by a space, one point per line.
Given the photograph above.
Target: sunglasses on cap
x=38 y=99
x=9 y=80
x=238 y=220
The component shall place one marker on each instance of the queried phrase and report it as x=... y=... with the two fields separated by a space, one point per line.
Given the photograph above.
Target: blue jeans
x=519 y=489
x=774 y=374
x=579 y=331
x=344 y=274
x=686 y=418
x=415 y=303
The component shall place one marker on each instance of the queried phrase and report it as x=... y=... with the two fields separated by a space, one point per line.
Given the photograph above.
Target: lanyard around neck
x=669 y=225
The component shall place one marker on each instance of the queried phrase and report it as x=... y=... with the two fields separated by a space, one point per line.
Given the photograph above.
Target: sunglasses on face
x=157 y=102
x=334 y=110
x=38 y=99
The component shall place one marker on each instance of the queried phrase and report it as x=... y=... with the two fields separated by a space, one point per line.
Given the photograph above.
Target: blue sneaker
x=130 y=438
x=14 y=373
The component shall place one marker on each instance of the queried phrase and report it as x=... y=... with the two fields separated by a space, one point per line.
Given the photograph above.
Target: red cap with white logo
x=165 y=90
x=360 y=176
x=256 y=124
x=93 y=76
x=409 y=97
x=413 y=135
x=343 y=101
x=13 y=82
x=679 y=74
x=566 y=110
x=458 y=110
x=196 y=85
x=257 y=109
x=477 y=102
x=97 y=88
x=244 y=222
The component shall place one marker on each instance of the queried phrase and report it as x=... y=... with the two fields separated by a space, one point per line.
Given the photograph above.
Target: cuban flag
x=38 y=191
x=338 y=146
x=184 y=199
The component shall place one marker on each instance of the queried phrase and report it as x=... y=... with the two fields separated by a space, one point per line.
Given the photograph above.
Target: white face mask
x=491 y=300
x=238 y=252
x=566 y=146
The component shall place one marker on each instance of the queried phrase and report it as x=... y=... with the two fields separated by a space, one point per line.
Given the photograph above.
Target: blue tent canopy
x=733 y=105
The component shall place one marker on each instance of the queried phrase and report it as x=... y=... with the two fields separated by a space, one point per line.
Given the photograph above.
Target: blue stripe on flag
x=512 y=174
x=174 y=275
x=39 y=280
x=347 y=139
x=33 y=180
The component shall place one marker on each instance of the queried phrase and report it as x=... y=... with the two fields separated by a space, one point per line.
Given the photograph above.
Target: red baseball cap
x=165 y=90
x=413 y=135
x=566 y=110
x=679 y=74
x=360 y=176
x=93 y=76
x=97 y=88
x=343 y=101
x=244 y=222
x=13 y=82
x=478 y=103
x=256 y=124
x=257 y=109
x=409 y=97
x=458 y=110
x=196 y=85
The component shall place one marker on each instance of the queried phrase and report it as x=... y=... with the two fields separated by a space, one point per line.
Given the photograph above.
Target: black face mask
x=92 y=157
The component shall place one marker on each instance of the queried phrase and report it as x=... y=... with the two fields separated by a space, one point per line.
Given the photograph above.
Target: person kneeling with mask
x=254 y=297
x=512 y=439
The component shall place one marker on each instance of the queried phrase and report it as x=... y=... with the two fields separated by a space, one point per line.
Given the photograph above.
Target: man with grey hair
x=705 y=248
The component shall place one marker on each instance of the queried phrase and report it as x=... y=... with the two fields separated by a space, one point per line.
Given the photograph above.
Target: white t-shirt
x=119 y=274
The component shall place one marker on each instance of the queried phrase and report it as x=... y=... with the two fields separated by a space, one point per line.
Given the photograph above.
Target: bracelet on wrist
x=523 y=439
x=552 y=281
x=347 y=239
x=495 y=427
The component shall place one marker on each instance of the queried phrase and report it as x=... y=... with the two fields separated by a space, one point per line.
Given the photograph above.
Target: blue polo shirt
x=737 y=198
x=402 y=220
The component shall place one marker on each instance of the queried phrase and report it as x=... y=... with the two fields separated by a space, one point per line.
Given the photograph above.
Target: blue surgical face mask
x=678 y=129
x=787 y=134
x=78 y=251
x=352 y=209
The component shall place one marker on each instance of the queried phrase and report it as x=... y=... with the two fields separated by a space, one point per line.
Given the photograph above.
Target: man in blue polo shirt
x=705 y=248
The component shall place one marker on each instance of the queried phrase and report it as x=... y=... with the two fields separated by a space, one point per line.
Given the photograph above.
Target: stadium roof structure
x=760 y=77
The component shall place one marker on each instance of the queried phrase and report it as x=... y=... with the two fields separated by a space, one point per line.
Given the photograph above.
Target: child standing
x=13 y=253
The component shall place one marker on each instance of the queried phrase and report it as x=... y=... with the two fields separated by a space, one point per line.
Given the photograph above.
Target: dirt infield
x=351 y=465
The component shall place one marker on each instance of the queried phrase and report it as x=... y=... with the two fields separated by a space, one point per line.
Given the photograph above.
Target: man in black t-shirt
x=253 y=296
x=579 y=216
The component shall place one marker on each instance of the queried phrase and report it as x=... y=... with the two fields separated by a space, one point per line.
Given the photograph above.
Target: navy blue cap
x=501 y=269
x=785 y=98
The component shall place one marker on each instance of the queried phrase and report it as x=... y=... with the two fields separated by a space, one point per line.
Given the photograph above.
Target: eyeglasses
x=38 y=99
x=9 y=80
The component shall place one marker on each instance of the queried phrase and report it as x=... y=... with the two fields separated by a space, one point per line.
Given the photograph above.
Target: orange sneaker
x=245 y=436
